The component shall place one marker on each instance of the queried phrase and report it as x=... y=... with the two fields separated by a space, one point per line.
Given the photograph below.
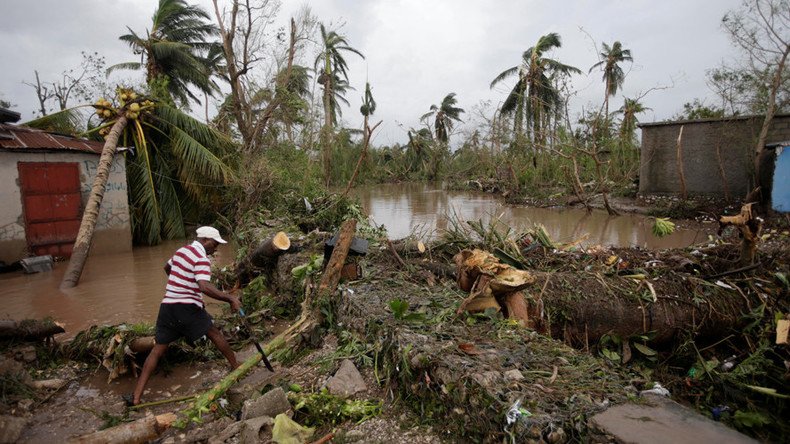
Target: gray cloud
x=416 y=51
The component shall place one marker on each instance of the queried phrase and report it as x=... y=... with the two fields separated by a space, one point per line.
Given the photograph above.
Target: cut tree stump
x=270 y=249
x=409 y=247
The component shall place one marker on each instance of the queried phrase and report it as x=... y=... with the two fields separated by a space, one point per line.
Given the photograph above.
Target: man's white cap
x=210 y=233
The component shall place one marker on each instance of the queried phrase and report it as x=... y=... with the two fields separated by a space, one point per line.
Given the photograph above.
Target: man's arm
x=167 y=268
x=213 y=292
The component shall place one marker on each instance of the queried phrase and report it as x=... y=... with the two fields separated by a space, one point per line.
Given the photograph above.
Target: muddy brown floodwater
x=425 y=208
x=114 y=289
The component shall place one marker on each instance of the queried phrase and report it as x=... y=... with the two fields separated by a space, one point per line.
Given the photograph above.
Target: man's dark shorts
x=177 y=320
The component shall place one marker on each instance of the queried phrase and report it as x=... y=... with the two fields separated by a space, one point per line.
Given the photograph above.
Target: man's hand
x=213 y=292
x=235 y=303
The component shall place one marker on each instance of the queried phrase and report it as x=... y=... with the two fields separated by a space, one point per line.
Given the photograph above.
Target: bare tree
x=43 y=93
x=83 y=84
x=244 y=30
x=761 y=28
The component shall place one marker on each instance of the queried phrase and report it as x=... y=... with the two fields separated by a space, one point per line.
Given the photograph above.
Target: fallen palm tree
x=581 y=307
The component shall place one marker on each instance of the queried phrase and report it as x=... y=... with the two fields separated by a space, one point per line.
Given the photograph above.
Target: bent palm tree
x=173 y=159
x=333 y=70
x=534 y=96
x=444 y=114
x=176 y=47
x=613 y=74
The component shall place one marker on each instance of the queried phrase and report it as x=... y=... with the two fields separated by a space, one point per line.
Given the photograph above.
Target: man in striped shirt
x=182 y=312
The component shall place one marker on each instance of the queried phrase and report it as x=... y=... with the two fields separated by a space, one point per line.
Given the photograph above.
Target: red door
x=52 y=203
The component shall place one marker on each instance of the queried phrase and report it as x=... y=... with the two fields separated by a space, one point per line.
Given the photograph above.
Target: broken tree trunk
x=492 y=284
x=270 y=249
x=750 y=227
x=311 y=318
x=140 y=431
x=29 y=329
x=583 y=307
x=331 y=276
x=142 y=345
x=516 y=307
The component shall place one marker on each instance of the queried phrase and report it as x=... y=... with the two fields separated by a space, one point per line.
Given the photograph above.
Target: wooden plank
x=782 y=331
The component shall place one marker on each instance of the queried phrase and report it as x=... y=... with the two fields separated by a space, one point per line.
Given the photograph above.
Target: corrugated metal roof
x=23 y=138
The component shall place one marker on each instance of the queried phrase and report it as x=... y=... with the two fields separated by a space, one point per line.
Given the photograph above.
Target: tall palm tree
x=178 y=160
x=613 y=74
x=176 y=47
x=534 y=96
x=333 y=69
x=444 y=115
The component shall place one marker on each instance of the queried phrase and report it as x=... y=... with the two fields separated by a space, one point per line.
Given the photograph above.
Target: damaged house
x=45 y=180
x=713 y=158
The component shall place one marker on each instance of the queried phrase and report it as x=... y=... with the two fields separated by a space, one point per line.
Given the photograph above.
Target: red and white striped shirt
x=187 y=266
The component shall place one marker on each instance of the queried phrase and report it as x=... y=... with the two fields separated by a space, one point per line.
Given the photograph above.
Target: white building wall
x=113 y=231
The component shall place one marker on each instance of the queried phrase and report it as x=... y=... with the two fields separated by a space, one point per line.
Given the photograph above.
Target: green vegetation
x=322 y=408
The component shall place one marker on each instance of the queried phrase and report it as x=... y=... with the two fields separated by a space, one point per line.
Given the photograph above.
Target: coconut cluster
x=130 y=105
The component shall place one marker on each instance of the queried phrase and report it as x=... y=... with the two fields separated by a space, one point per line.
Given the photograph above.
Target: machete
x=257 y=345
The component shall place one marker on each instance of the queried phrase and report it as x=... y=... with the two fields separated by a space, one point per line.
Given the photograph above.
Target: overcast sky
x=416 y=51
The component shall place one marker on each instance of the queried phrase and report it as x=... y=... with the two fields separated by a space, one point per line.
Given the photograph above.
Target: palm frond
x=172 y=221
x=67 y=121
x=130 y=66
x=504 y=75
x=145 y=212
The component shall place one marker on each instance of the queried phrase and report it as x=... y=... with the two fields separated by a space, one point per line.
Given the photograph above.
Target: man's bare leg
x=148 y=369
x=222 y=344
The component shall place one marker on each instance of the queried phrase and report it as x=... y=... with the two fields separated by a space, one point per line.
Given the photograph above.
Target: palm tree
x=297 y=92
x=534 y=96
x=444 y=116
x=613 y=75
x=178 y=160
x=177 y=48
x=626 y=155
x=629 y=110
x=333 y=69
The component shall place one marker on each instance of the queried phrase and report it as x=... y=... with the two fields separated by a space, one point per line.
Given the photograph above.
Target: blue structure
x=780 y=195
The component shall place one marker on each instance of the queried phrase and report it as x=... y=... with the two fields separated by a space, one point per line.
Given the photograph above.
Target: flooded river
x=128 y=287
x=425 y=208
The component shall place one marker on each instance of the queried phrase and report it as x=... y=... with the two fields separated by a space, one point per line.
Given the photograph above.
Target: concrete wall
x=716 y=155
x=113 y=232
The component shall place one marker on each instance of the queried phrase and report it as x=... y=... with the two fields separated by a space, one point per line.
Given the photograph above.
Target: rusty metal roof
x=23 y=138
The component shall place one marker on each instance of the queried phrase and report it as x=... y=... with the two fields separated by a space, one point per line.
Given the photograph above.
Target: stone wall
x=113 y=231
x=716 y=155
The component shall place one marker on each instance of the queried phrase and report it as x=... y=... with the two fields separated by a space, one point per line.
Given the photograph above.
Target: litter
x=657 y=389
